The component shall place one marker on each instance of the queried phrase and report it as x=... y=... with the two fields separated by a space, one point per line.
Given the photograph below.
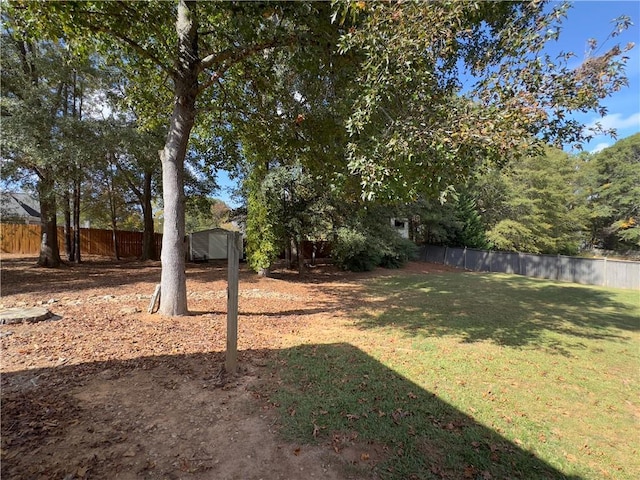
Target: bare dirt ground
x=106 y=390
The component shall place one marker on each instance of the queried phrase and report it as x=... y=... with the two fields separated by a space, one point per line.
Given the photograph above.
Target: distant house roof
x=19 y=207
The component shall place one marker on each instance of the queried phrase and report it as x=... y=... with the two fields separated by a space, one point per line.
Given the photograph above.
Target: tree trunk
x=113 y=213
x=299 y=253
x=173 y=281
x=76 y=221
x=288 y=260
x=114 y=236
x=68 y=246
x=148 y=236
x=49 y=251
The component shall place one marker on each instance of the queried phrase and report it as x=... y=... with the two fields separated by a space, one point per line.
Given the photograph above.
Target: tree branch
x=127 y=178
x=231 y=56
x=137 y=47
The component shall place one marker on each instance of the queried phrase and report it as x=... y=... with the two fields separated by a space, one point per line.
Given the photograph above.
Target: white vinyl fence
x=588 y=271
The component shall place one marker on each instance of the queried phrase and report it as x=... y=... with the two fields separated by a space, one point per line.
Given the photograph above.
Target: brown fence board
x=22 y=238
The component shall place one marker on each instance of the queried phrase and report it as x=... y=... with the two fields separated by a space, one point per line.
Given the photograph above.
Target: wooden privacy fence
x=21 y=238
x=588 y=271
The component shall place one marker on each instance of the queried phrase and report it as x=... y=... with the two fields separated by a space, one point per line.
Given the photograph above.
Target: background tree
x=137 y=162
x=453 y=221
x=533 y=205
x=46 y=139
x=203 y=213
x=291 y=137
x=612 y=186
x=264 y=238
x=297 y=202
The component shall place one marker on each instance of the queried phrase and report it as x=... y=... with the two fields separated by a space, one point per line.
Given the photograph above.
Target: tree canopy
x=417 y=128
x=364 y=94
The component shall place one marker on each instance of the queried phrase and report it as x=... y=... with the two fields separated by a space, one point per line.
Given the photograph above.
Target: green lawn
x=465 y=375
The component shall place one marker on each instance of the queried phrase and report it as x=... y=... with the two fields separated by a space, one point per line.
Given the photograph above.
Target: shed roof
x=216 y=229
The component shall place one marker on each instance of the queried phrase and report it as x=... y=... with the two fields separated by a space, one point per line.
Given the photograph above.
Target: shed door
x=217 y=246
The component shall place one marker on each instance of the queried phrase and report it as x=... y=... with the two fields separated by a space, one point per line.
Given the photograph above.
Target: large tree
x=196 y=46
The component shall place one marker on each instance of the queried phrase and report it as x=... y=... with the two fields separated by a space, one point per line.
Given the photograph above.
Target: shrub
x=360 y=250
x=398 y=252
x=352 y=250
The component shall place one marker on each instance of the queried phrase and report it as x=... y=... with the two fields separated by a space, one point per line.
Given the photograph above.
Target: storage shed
x=211 y=245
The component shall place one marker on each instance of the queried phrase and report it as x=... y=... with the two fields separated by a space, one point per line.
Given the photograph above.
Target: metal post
x=231 y=363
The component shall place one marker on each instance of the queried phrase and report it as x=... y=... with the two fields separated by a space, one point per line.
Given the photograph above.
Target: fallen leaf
x=364 y=457
x=296 y=451
x=469 y=471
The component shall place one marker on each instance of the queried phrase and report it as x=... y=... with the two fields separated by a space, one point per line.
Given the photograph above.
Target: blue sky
x=585 y=20
x=593 y=19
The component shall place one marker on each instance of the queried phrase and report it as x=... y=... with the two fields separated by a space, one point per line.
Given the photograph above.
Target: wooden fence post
x=231 y=362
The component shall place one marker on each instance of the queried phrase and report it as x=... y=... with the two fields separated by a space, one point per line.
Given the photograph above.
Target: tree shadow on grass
x=343 y=396
x=163 y=417
x=505 y=309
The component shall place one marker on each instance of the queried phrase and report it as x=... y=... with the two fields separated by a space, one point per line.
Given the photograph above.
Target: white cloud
x=617 y=121
x=598 y=147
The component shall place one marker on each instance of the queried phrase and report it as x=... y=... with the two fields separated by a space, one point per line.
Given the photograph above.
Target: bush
x=398 y=252
x=361 y=250
x=352 y=250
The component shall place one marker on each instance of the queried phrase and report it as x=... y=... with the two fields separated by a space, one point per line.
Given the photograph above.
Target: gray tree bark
x=173 y=301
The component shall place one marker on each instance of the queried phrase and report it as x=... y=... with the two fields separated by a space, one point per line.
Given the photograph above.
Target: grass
x=475 y=376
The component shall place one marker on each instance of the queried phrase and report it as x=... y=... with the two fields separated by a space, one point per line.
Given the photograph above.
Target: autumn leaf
x=469 y=471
